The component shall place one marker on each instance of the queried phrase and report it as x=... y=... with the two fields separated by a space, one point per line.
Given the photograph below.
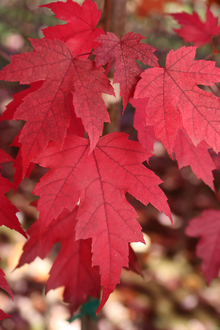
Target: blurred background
x=172 y=294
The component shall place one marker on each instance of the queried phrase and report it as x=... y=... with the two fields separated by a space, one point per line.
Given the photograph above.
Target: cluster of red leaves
x=82 y=200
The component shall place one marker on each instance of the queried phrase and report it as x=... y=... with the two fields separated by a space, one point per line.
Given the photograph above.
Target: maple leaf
x=76 y=126
x=7 y=218
x=3 y=315
x=57 y=231
x=175 y=100
x=207 y=226
x=100 y=180
x=46 y=110
x=194 y=30
x=8 y=114
x=73 y=270
x=133 y=262
x=215 y=158
x=7 y=210
x=79 y=33
x=18 y=99
x=125 y=51
x=146 y=134
x=4 y=285
x=198 y=157
x=72 y=267
x=18 y=175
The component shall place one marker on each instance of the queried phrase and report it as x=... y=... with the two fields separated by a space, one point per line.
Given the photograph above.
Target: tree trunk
x=114 y=18
x=88 y=323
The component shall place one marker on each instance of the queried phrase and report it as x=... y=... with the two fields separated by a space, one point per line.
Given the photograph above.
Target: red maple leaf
x=125 y=52
x=7 y=218
x=57 y=231
x=100 y=181
x=8 y=114
x=18 y=176
x=18 y=99
x=175 y=100
x=146 y=134
x=207 y=226
x=7 y=210
x=194 y=30
x=46 y=110
x=75 y=127
x=3 y=315
x=79 y=33
x=4 y=285
x=198 y=157
x=72 y=268
x=134 y=265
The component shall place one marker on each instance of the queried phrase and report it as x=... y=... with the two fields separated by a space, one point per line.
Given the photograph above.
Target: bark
x=114 y=18
x=88 y=323
x=100 y=4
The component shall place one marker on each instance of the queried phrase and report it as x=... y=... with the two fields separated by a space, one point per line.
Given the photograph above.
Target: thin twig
x=5 y=56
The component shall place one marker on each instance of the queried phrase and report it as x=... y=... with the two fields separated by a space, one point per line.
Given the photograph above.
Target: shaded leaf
x=207 y=227
x=4 y=285
x=125 y=51
x=196 y=31
x=146 y=134
x=198 y=157
x=7 y=210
